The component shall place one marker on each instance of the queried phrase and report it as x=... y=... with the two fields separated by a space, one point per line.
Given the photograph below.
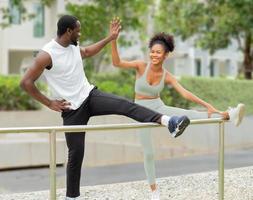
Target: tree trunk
x=248 y=59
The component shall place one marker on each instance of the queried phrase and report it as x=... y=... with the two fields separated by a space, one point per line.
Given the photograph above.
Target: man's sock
x=165 y=120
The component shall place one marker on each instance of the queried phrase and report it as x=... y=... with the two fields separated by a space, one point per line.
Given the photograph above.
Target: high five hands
x=115 y=27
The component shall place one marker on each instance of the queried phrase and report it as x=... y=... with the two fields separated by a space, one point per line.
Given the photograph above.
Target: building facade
x=189 y=60
x=20 y=42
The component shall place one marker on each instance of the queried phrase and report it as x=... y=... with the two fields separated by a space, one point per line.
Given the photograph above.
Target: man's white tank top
x=66 y=78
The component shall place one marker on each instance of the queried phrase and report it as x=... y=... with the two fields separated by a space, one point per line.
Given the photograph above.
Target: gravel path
x=202 y=186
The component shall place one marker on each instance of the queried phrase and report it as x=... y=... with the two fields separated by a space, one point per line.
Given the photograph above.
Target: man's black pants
x=98 y=103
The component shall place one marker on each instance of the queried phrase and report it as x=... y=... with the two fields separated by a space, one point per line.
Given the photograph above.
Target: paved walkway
x=37 y=179
x=201 y=186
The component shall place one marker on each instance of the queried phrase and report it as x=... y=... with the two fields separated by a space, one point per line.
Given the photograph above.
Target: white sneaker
x=155 y=195
x=236 y=114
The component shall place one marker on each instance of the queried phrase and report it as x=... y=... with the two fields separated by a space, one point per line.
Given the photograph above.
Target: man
x=61 y=63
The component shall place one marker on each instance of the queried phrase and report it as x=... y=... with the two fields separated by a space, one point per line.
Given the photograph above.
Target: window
x=38 y=24
x=15 y=12
x=198 y=67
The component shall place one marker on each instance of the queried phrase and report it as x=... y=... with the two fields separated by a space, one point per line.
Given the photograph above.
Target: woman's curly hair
x=164 y=39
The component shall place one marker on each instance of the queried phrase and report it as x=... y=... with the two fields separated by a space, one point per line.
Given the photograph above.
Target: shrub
x=220 y=92
x=12 y=97
x=121 y=83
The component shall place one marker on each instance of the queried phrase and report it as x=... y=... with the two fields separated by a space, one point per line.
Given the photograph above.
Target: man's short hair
x=65 y=22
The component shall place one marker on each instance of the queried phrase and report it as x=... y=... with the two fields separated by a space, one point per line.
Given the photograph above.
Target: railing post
x=52 y=142
x=221 y=160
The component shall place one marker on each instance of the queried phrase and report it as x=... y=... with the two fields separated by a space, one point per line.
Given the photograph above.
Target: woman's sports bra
x=142 y=87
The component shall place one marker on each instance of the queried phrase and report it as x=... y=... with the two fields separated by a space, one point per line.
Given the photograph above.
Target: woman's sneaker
x=177 y=125
x=236 y=114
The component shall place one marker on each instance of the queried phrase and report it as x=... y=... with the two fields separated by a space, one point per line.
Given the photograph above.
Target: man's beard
x=74 y=42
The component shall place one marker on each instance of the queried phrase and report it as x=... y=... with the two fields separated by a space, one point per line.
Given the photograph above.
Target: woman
x=150 y=80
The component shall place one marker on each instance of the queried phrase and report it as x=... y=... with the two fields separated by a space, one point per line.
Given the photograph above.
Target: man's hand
x=93 y=49
x=59 y=105
x=115 y=28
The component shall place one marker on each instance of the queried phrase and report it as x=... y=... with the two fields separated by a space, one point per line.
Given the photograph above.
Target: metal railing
x=52 y=130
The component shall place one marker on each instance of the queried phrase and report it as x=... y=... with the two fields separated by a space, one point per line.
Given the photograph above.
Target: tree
x=95 y=18
x=213 y=23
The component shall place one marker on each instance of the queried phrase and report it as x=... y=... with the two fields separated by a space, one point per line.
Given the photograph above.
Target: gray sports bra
x=144 y=88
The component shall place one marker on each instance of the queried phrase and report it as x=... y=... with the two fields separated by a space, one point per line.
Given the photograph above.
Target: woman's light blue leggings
x=145 y=134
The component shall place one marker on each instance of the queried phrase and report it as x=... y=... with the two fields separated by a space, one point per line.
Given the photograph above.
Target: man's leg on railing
x=101 y=103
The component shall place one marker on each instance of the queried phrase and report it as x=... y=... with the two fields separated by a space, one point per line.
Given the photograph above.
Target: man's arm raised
x=95 y=48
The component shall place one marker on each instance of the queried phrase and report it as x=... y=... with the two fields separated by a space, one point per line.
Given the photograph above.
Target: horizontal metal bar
x=208 y=121
x=78 y=128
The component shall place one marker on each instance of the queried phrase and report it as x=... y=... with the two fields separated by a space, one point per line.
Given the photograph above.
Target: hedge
x=12 y=97
x=117 y=83
x=220 y=92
